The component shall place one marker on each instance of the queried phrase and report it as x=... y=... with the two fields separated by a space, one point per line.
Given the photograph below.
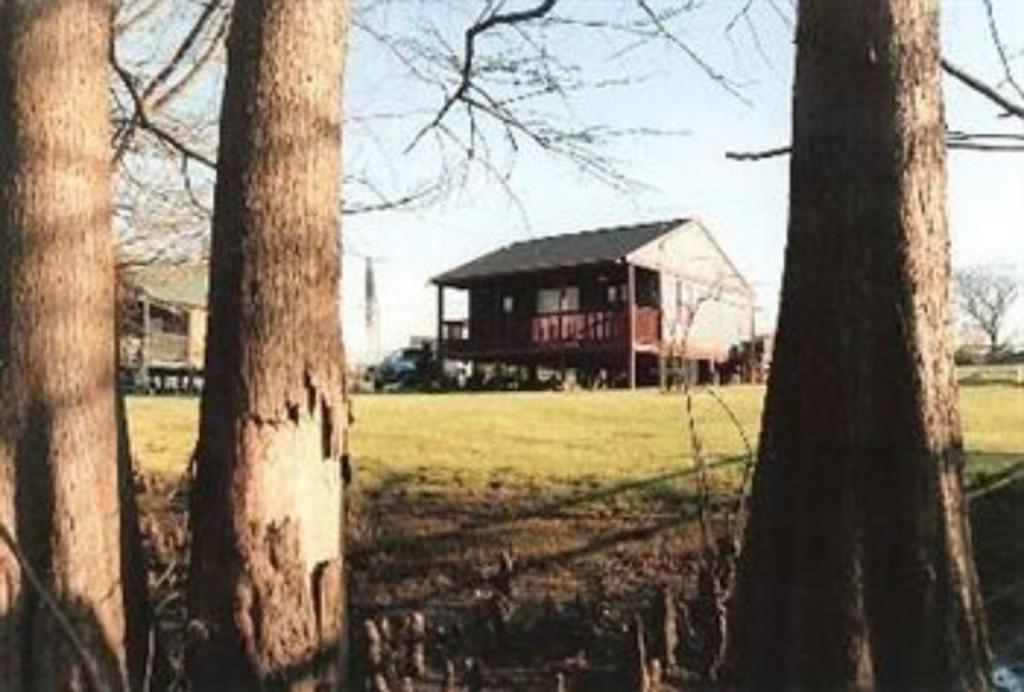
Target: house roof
x=568 y=250
x=178 y=284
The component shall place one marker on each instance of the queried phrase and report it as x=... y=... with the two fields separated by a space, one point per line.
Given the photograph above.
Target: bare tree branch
x=758 y=155
x=997 y=40
x=183 y=49
x=387 y=203
x=955 y=140
x=982 y=88
x=89 y=666
x=710 y=71
x=197 y=67
x=140 y=15
x=979 y=146
x=140 y=118
x=489 y=21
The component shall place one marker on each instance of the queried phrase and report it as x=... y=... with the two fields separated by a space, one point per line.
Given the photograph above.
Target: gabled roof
x=554 y=252
x=177 y=284
x=695 y=225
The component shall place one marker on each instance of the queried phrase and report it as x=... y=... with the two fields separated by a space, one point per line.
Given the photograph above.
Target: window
x=550 y=300
x=547 y=300
x=571 y=299
x=613 y=295
x=679 y=294
x=508 y=304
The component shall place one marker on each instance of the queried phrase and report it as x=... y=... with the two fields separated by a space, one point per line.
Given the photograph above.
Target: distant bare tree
x=985 y=293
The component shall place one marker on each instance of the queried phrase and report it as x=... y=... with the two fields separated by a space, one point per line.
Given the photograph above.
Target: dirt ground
x=584 y=565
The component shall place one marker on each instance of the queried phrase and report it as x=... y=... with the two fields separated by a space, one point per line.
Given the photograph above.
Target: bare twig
x=956 y=140
x=197 y=67
x=997 y=40
x=696 y=442
x=979 y=146
x=140 y=15
x=89 y=666
x=697 y=447
x=183 y=49
x=959 y=135
x=489 y=21
x=389 y=204
x=758 y=155
x=147 y=679
x=735 y=517
x=141 y=119
x=706 y=67
x=982 y=88
x=962 y=142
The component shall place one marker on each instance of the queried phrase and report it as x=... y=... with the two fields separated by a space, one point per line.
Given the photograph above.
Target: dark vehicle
x=404 y=368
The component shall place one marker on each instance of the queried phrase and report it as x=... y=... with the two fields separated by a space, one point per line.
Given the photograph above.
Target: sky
x=684 y=173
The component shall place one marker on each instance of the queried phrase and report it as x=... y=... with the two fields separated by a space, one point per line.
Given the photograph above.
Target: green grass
x=554 y=439
x=550 y=438
x=1007 y=373
x=162 y=432
x=591 y=491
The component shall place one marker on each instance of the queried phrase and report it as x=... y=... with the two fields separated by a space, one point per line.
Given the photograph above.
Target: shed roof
x=179 y=284
x=567 y=250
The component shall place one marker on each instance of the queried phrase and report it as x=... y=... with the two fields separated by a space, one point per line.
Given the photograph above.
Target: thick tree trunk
x=857 y=570
x=58 y=432
x=265 y=592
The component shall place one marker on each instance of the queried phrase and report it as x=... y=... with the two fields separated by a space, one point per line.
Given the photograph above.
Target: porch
x=569 y=330
x=593 y=318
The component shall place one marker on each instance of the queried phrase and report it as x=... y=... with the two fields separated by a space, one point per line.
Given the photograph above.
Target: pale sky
x=745 y=204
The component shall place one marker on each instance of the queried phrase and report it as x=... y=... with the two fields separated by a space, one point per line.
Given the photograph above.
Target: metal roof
x=179 y=284
x=568 y=250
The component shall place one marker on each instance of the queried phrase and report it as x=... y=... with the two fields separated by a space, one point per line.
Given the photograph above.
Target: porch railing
x=577 y=327
x=165 y=347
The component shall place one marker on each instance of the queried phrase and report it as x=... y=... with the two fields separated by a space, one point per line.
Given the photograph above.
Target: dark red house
x=619 y=303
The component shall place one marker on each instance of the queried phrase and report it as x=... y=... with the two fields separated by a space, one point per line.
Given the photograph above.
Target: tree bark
x=266 y=581
x=857 y=570
x=59 y=480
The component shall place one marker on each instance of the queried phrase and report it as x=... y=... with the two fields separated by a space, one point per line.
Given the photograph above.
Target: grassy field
x=592 y=492
x=548 y=438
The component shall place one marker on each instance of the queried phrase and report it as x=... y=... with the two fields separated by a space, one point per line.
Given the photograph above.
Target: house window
x=613 y=295
x=548 y=300
x=679 y=295
x=551 y=300
x=571 y=299
x=508 y=304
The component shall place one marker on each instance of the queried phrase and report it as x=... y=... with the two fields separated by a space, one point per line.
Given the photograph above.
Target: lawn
x=592 y=492
x=551 y=439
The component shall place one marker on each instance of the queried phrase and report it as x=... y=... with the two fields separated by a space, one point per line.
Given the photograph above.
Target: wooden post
x=440 y=326
x=631 y=307
x=144 y=369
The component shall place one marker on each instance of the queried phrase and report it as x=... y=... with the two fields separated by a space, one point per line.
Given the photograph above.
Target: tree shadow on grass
x=444 y=548
x=997 y=518
x=488 y=517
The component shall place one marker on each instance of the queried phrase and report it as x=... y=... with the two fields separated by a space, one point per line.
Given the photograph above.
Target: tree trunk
x=266 y=580
x=59 y=480
x=857 y=570
x=993 y=342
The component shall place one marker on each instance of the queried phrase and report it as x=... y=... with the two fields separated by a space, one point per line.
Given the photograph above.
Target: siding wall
x=712 y=290
x=196 y=337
